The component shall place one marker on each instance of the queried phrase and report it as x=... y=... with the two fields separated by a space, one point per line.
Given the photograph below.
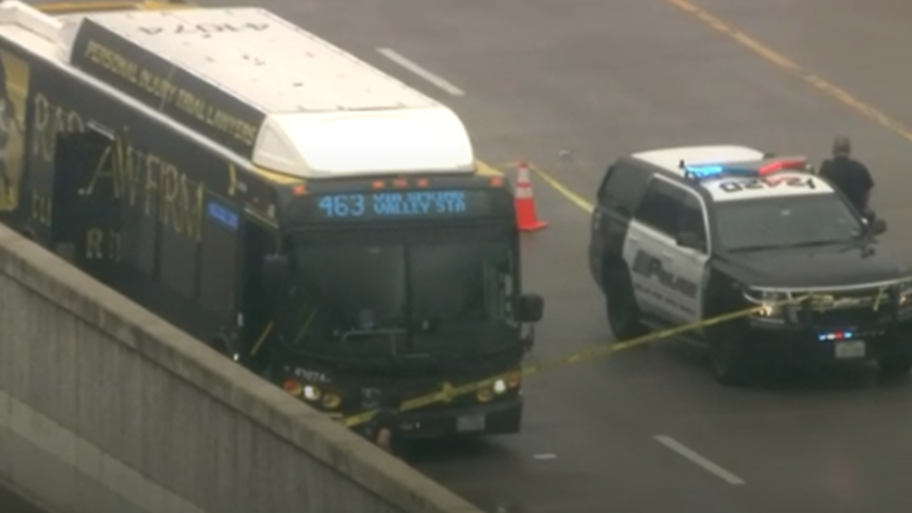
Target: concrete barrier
x=105 y=408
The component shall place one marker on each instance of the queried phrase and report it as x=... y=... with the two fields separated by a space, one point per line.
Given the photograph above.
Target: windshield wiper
x=806 y=244
x=815 y=243
x=756 y=247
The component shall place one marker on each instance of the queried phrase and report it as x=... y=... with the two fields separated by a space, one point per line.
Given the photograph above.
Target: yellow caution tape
x=447 y=393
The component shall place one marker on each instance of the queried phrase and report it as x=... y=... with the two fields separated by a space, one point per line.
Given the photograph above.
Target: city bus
x=295 y=208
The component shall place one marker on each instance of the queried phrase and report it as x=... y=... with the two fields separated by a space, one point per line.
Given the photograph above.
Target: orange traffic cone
x=526 y=215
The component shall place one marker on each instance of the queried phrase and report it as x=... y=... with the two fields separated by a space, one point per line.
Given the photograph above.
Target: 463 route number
x=343 y=205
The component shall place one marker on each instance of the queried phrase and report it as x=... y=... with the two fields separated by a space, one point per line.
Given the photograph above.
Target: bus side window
x=178 y=260
x=218 y=257
x=139 y=236
x=493 y=296
x=508 y=288
x=498 y=288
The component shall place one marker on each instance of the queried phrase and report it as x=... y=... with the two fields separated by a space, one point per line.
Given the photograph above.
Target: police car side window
x=622 y=188
x=603 y=192
x=691 y=217
x=661 y=207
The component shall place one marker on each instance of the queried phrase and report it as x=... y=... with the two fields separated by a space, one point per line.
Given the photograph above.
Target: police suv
x=686 y=234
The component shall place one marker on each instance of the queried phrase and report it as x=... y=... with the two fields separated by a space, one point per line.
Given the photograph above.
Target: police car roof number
x=767 y=183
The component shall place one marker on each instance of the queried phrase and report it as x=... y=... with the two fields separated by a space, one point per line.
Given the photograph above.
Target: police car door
x=666 y=277
x=691 y=249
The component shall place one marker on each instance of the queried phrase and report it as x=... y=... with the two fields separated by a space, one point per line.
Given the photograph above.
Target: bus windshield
x=427 y=295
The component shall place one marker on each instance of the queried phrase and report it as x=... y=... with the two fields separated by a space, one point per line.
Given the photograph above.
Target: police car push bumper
x=868 y=323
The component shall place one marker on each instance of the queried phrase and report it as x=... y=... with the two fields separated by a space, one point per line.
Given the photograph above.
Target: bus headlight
x=484 y=395
x=331 y=401
x=499 y=387
x=311 y=393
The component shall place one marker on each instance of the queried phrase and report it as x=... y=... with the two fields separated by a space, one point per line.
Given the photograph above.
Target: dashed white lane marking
x=421 y=72
x=699 y=460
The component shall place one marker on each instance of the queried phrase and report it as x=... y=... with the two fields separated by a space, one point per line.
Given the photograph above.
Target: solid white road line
x=699 y=460
x=421 y=72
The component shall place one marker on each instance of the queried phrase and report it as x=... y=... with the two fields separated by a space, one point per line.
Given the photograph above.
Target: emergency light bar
x=743 y=169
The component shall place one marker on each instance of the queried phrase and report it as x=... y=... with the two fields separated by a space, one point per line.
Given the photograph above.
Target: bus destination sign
x=411 y=204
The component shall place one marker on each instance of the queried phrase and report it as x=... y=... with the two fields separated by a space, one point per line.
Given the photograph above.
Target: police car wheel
x=895 y=365
x=623 y=311
x=730 y=363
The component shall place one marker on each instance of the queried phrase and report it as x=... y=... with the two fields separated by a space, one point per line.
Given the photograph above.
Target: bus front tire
x=222 y=346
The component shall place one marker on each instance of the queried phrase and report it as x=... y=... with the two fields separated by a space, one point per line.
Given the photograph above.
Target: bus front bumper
x=496 y=418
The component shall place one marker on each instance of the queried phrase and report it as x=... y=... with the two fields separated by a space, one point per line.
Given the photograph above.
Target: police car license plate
x=470 y=423
x=850 y=349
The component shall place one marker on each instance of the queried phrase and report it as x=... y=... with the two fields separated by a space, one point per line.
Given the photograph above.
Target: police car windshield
x=769 y=223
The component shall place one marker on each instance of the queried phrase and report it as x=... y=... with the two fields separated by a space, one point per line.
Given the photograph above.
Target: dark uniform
x=850 y=176
x=383 y=427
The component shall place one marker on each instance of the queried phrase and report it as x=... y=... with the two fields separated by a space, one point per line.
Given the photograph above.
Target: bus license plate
x=850 y=349
x=470 y=423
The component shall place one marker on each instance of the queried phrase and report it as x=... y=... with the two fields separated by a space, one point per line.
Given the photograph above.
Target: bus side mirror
x=531 y=308
x=276 y=269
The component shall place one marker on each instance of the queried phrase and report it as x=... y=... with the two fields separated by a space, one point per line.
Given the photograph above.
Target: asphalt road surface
x=12 y=503
x=569 y=85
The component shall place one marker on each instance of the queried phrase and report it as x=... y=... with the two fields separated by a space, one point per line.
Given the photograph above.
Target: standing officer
x=385 y=432
x=850 y=176
x=383 y=429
